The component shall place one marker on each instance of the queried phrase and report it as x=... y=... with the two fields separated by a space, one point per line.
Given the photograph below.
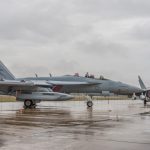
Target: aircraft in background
x=146 y=91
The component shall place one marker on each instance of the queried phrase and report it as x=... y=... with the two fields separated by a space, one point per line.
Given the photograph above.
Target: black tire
x=89 y=103
x=148 y=93
x=28 y=103
x=145 y=102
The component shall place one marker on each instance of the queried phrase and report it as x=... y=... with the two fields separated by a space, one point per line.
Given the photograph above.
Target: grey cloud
x=100 y=46
x=34 y=21
x=115 y=8
x=141 y=31
x=67 y=66
x=29 y=70
x=46 y=21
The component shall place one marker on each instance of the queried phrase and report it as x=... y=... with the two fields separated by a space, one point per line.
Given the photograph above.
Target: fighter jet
x=31 y=92
x=77 y=84
x=145 y=96
x=95 y=87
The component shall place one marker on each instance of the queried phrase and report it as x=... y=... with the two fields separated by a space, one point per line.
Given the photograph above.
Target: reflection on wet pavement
x=71 y=125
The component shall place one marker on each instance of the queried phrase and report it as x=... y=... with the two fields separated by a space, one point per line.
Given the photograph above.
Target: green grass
x=80 y=98
x=7 y=99
x=77 y=98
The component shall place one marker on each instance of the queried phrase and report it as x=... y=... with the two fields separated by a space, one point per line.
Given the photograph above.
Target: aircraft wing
x=15 y=83
x=22 y=84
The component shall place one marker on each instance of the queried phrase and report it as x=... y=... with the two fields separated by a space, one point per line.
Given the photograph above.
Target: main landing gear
x=29 y=103
x=89 y=101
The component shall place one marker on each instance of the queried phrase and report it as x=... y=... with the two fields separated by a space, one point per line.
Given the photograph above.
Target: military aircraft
x=78 y=84
x=31 y=92
x=145 y=96
x=94 y=87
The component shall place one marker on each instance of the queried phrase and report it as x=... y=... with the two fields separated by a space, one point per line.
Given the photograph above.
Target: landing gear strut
x=145 y=102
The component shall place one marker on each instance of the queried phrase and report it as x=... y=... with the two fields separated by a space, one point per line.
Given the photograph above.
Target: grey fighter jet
x=31 y=92
x=93 y=87
x=145 y=96
x=78 y=84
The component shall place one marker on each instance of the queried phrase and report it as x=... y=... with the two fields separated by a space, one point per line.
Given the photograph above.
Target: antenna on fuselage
x=50 y=74
x=36 y=75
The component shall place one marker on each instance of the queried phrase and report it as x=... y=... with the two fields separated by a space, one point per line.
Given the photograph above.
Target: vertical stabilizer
x=142 y=85
x=5 y=73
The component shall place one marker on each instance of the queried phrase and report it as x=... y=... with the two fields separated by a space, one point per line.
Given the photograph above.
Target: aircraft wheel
x=89 y=103
x=28 y=103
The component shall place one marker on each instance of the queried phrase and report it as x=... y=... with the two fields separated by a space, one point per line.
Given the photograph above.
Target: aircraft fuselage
x=99 y=86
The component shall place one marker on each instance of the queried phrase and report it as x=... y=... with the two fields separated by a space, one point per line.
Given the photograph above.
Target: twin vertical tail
x=5 y=73
x=142 y=85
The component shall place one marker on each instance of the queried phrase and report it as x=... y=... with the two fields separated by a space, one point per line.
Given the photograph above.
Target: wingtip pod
x=142 y=85
x=5 y=73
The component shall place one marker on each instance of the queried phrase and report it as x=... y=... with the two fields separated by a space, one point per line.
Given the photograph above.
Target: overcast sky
x=104 y=37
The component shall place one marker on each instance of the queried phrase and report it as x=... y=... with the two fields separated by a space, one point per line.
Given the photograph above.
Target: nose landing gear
x=89 y=101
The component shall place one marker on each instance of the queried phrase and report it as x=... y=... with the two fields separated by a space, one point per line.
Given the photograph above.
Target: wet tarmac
x=111 y=125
